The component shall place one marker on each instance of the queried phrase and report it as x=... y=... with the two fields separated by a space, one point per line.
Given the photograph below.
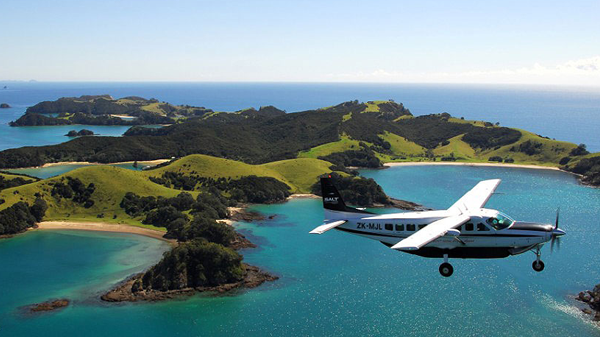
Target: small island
x=83 y=132
x=49 y=305
x=4 y=106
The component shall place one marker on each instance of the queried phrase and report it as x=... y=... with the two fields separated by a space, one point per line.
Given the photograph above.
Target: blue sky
x=556 y=42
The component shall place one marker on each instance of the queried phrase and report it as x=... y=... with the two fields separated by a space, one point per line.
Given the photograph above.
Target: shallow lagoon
x=339 y=284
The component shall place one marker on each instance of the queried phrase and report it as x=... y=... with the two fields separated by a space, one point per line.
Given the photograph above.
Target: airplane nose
x=558 y=232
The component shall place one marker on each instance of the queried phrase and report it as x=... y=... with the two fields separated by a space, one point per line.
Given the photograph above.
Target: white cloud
x=575 y=72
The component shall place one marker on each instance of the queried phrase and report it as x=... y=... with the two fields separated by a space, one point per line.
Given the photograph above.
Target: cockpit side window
x=482 y=228
x=501 y=221
x=469 y=227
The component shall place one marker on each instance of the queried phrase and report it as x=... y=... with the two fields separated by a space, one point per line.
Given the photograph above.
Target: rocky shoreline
x=592 y=299
x=253 y=277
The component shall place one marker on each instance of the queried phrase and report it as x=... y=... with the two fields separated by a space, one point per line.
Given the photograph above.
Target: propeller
x=555 y=236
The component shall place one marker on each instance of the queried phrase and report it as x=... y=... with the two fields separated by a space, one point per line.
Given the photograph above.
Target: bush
x=495 y=158
x=20 y=216
x=580 y=150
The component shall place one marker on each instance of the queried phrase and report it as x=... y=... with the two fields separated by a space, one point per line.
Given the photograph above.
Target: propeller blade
x=557 y=216
x=558 y=243
x=552 y=244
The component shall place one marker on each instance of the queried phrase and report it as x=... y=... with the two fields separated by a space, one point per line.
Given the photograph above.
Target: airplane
x=465 y=230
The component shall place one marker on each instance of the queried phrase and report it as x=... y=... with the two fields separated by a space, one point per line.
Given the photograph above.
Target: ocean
x=565 y=113
x=335 y=283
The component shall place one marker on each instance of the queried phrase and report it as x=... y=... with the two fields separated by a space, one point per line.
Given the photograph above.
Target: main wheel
x=446 y=269
x=538 y=265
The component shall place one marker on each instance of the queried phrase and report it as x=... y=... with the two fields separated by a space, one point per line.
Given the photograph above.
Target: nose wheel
x=446 y=268
x=538 y=265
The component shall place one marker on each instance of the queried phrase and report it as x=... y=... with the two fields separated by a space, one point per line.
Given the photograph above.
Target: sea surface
x=331 y=284
x=565 y=113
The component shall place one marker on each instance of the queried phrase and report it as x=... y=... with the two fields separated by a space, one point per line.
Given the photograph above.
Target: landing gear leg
x=538 y=265
x=446 y=268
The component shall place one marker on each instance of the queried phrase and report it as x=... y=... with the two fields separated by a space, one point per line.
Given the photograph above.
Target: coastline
x=143 y=162
x=103 y=227
x=423 y=163
x=149 y=162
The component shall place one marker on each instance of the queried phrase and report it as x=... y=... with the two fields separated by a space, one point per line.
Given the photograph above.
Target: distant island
x=83 y=132
x=105 y=110
x=4 y=106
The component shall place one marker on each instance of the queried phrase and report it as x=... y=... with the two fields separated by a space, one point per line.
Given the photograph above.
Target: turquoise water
x=574 y=112
x=336 y=283
x=55 y=170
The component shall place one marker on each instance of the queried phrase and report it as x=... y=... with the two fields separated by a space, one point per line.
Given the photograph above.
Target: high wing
x=325 y=227
x=477 y=197
x=431 y=232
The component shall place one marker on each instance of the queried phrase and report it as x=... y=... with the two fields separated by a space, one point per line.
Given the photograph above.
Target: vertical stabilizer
x=332 y=200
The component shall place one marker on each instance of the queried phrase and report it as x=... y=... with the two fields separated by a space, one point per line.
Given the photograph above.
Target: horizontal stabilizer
x=325 y=227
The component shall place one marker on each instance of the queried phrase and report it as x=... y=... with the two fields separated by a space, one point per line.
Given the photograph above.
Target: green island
x=221 y=161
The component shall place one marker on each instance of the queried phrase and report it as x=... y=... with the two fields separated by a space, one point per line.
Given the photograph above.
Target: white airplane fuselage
x=478 y=237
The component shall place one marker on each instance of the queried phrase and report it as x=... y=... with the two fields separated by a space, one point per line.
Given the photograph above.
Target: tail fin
x=332 y=200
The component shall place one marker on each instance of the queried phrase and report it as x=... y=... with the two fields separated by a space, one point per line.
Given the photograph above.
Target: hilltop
x=348 y=134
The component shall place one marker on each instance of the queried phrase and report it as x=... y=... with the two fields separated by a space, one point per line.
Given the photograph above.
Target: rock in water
x=50 y=305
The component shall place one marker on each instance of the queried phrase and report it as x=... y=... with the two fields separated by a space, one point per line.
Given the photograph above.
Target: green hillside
x=111 y=183
x=300 y=174
x=381 y=130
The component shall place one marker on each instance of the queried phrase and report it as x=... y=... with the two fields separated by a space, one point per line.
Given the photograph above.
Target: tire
x=446 y=269
x=538 y=266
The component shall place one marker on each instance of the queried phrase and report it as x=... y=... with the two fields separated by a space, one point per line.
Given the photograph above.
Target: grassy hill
x=112 y=183
x=300 y=174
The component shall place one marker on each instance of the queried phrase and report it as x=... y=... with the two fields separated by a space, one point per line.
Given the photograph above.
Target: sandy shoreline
x=103 y=227
x=144 y=162
x=537 y=167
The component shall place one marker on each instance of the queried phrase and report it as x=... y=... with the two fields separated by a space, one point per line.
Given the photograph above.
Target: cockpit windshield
x=501 y=221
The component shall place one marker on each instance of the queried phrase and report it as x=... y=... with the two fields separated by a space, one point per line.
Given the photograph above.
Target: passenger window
x=469 y=227
x=482 y=228
x=421 y=226
x=389 y=227
x=410 y=227
x=399 y=228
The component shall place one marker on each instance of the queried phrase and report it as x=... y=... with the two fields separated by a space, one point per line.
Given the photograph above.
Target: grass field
x=344 y=144
x=13 y=176
x=300 y=174
x=111 y=183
